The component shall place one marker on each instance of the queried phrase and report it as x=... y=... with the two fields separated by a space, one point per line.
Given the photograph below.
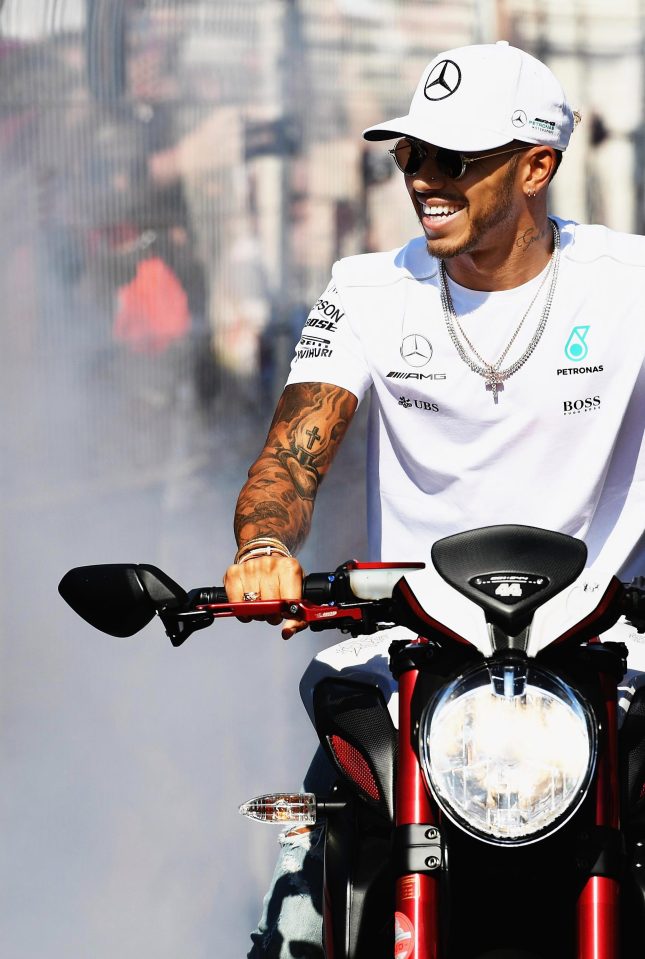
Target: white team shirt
x=563 y=447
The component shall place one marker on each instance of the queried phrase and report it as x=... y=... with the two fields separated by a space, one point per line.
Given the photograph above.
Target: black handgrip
x=633 y=604
x=207 y=595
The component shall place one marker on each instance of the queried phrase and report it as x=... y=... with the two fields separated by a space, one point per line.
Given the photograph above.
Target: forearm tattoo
x=278 y=498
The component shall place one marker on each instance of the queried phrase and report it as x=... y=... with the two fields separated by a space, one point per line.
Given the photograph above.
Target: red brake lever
x=296 y=609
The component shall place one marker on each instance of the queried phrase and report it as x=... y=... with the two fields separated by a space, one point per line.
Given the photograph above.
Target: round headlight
x=508 y=749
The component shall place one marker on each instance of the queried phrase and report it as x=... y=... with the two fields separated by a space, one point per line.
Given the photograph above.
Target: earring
x=531 y=194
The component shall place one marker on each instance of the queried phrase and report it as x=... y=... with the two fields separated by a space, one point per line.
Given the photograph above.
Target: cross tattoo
x=495 y=386
x=315 y=436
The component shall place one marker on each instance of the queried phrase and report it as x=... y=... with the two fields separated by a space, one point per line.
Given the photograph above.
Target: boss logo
x=588 y=404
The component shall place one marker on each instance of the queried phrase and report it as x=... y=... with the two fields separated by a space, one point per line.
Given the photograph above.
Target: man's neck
x=507 y=262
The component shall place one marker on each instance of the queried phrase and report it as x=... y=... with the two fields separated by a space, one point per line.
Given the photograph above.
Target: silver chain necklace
x=491 y=372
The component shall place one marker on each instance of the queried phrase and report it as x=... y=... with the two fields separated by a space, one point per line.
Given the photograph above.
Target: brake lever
x=356 y=618
x=309 y=613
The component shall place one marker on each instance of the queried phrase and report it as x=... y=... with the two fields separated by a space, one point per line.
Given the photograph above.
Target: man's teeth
x=439 y=210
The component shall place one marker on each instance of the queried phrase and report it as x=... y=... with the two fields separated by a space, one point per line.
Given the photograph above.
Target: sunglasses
x=410 y=155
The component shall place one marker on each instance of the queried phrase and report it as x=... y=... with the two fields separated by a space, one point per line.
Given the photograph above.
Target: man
x=503 y=349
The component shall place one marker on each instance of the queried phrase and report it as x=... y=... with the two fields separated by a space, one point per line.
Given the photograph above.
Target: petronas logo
x=576 y=348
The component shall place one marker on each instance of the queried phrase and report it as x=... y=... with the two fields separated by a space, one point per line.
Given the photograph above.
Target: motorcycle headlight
x=508 y=750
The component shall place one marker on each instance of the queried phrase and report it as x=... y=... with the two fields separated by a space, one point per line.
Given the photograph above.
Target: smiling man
x=463 y=338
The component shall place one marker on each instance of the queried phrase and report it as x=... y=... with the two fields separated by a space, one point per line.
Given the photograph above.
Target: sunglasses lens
x=449 y=163
x=409 y=156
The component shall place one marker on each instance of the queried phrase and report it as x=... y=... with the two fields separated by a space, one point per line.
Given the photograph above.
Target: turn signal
x=282 y=808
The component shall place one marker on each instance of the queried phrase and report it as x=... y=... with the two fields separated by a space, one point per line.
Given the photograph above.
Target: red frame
x=599 y=900
x=417 y=895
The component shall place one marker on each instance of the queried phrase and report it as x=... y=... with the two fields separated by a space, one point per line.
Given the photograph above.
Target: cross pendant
x=495 y=386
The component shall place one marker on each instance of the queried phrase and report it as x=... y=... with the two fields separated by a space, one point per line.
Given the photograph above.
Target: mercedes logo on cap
x=443 y=80
x=416 y=350
x=519 y=118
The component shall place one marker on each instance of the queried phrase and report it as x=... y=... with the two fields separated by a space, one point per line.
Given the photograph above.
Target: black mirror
x=119 y=598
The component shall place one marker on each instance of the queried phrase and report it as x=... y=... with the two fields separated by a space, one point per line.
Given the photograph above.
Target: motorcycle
x=505 y=817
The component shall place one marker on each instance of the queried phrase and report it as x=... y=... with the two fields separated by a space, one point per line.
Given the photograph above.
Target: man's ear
x=539 y=169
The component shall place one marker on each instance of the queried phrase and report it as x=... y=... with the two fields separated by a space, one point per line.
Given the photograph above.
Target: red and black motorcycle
x=506 y=815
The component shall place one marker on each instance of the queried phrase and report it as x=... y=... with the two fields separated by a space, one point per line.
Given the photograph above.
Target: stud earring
x=531 y=194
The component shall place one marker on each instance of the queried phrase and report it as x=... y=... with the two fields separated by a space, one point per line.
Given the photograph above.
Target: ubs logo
x=416 y=350
x=407 y=404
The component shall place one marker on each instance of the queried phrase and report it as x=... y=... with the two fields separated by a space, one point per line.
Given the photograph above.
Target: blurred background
x=176 y=179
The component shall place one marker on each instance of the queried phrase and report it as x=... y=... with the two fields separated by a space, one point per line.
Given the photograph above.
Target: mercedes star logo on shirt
x=443 y=80
x=416 y=350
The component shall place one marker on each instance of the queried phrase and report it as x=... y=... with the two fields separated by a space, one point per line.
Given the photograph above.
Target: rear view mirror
x=119 y=598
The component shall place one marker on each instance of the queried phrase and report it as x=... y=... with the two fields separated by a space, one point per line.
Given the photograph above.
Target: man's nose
x=428 y=172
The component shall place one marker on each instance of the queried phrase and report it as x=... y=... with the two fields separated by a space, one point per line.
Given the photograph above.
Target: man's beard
x=490 y=217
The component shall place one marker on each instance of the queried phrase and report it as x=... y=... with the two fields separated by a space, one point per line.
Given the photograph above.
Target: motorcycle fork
x=598 y=902
x=416 y=892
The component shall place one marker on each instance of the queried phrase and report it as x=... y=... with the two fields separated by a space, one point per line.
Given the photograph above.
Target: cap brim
x=441 y=136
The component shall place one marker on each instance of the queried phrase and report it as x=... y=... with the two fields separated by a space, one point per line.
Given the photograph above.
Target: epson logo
x=587 y=405
x=329 y=309
x=395 y=375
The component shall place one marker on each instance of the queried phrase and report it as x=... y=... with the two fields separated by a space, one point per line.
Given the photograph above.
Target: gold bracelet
x=258 y=541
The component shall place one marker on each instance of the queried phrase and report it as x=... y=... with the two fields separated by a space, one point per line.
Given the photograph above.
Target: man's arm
x=277 y=500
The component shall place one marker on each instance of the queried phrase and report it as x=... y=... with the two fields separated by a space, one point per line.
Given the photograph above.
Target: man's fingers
x=290 y=579
x=270 y=577
x=292 y=626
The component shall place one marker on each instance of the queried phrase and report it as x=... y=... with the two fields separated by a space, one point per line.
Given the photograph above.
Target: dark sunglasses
x=410 y=155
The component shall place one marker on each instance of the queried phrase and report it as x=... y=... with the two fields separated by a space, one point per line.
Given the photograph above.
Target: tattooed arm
x=278 y=498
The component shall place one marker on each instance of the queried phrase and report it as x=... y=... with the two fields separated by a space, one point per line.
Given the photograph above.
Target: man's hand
x=271 y=577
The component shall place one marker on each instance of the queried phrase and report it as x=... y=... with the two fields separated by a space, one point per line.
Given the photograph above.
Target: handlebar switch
x=320 y=588
x=328 y=588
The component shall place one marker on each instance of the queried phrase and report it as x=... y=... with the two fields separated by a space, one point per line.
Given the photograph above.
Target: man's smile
x=437 y=212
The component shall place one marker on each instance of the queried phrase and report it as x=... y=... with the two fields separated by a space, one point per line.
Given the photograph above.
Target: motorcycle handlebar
x=322 y=588
x=328 y=587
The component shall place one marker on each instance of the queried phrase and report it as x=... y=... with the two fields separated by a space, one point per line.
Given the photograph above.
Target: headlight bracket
x=601 y=852
x=418 y=847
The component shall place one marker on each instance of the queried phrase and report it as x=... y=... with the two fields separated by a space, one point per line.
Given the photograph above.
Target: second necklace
x=492 y=372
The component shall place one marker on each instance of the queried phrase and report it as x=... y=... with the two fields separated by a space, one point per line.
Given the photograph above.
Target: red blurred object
x=152 y=309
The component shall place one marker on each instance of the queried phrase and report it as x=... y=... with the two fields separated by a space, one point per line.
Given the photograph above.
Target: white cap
x=484 y=96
